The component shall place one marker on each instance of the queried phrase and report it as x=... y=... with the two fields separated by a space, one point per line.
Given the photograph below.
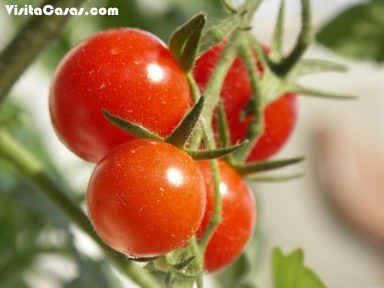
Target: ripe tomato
x=238 y=217
x=279 y=115
x=130 y=73
x=146 y=198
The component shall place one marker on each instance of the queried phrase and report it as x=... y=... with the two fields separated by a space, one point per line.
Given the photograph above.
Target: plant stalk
x=255 y=128
x=30 y=40
x=305 y=39
x=217 y=209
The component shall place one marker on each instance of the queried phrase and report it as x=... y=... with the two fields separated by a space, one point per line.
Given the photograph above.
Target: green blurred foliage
x=289 y=271
x=31 y=228
x=357 y=33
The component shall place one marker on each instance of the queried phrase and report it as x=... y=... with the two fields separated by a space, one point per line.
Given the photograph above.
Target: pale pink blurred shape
x=350 y=165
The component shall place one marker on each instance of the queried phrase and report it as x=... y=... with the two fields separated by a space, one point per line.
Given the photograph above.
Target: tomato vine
x=191 y=134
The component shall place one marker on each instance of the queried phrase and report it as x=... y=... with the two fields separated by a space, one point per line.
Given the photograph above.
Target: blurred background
x=336 y=221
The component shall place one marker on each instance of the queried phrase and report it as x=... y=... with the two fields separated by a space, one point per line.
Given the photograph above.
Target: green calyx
x=216 y=153
x=285 y=70
x=182 y=133
x=179 y=137
x=172 y=267
x=248 y=169
x=141 y=259
x=184 y=41
x=130 y=127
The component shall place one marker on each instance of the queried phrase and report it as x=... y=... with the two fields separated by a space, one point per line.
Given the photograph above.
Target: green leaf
x=265 y=165
x=216 y=153
x=273 y=86
x=357 y=33
x=184 y=42
x=319 y=93
x=289 y=271
x=141 y=259
x=183 y=263
x=273 y=178
x=182 y=133
x=131 y=128
x=314 y=66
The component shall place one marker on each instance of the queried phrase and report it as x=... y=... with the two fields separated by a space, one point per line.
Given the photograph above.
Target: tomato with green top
x=128 y=72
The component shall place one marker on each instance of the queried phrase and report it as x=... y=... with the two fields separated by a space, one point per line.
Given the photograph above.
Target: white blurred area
x=296 y=213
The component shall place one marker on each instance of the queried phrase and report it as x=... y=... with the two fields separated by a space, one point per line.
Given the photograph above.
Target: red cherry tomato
x=279 y=115
x=130 y=73
x=238 y=217
x=146 y=198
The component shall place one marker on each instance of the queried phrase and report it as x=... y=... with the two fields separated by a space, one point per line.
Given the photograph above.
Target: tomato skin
x=238 y=217
x=130 y=73
x=279 y=119
x=279 y=116
x=146 y=198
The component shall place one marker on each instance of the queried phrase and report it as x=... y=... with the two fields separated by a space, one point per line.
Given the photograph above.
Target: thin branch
x=31 y=39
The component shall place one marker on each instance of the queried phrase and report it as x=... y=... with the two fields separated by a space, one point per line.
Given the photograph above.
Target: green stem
x=212 y=94
x=36 y=33
x=213 y=88
x=194 y=87
x=199 y=282
x=249 y=7
x=261 y=55
x=305 y=39
x=33 y=171
x=217 y=209
x=255 y=128
x=198 y=261
x=198 y=133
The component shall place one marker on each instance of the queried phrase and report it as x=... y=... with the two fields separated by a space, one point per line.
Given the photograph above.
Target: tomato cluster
x=145 y=197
